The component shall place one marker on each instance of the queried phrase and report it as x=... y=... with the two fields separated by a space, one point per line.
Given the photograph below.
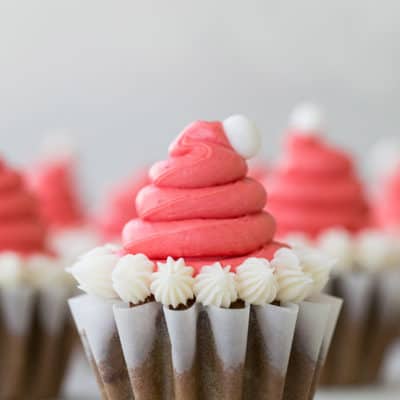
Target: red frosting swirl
x=387 y=208
x=20 y=227
x=315 y=188
x=53 y=182
x=200 y=205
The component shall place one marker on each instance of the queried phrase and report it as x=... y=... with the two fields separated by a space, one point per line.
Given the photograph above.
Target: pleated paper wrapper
x=36 y=338
x=256 y=352
x=98 y=332
x=366 y=328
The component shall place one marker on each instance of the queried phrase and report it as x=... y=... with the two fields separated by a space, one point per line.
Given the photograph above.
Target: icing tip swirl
x=93 y=271
x=131 y=278
x=172 y=283
x=256 y=282
x=216 y=285
x=294 y=284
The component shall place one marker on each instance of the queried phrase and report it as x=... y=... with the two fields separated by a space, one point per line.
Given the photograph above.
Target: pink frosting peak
x=21 y=229
x=200 y=205
x=387 y=207
x=119 y=206
x=53 y=182
x=201 y=156
x=314 y=187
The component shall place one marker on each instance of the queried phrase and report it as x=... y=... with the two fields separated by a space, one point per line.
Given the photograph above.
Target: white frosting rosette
x=38 y=271
x=338 y=244
x=375 y=250
x=291 y=277
x=216 y=285
x=172 y=284
x=12 y=270
x=93 y=271
x=256 y=281
x=131 y=278
x=294 y=284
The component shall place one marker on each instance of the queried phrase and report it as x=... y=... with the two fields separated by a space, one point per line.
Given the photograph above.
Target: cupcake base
x=357 y=352
x=37 y=338
x=206 y=352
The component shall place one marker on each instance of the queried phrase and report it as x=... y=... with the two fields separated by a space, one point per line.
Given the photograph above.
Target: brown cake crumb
x=149 y=299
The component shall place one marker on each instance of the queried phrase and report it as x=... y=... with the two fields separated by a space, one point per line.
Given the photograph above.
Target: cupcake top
x=314 y=186
x=202 y=233
x=200 y=205
x=290 y=277
x=21 y=229
x=54 y=183
x=24 y=254
x=119 y=206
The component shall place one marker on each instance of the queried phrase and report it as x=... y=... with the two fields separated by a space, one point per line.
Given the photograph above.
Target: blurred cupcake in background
x=319 y=200
x=259 y=170
x=119 y=206
x=314 y=185
x=200 y=301
x=36 y=333
x=54 y=180
x=383 y=167
x=387 y=206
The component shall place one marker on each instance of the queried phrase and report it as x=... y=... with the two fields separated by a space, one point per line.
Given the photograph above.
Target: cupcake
x=53 y=180
x=314 y=185
x=35 y=326
x=318 y=200
x=201 y=301
x=119 y=206
x=367 y=276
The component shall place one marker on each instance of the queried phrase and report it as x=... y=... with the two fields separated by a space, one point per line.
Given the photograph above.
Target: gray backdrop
x=126 y=76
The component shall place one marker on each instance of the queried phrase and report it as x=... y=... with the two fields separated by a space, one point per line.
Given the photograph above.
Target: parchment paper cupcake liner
x=95 y=322
x=384 y=316
x=357 y=351
x=312 y=322
x=37 y=333
x=185 y=363
x=79 y=315
x=335 y=307
x=17 y=310
x=271 y=327
x=206 y=352
x=54 y=342
x=139 y=330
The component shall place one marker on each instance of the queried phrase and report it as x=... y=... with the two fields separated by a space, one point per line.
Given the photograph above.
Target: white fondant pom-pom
x=384 y=158
x=243 y=135
x=307 y=118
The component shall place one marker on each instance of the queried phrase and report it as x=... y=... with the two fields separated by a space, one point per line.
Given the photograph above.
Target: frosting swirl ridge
x=201 y=156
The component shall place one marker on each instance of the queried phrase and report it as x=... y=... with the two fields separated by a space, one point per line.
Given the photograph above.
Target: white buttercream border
x=214 y=285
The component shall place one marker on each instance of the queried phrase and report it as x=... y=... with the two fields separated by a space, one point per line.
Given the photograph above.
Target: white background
x=126 y=76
